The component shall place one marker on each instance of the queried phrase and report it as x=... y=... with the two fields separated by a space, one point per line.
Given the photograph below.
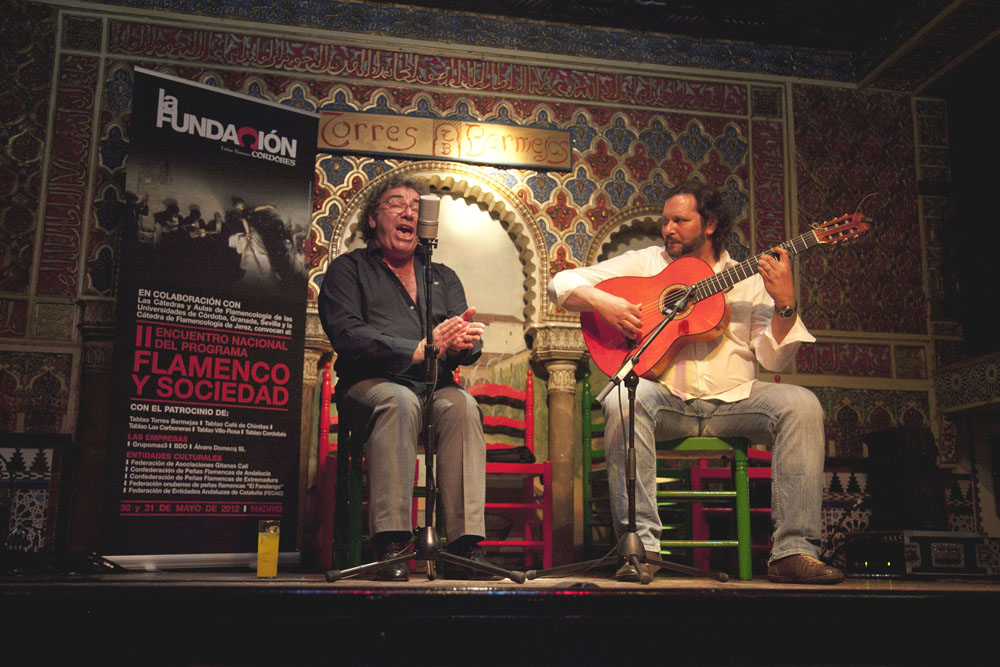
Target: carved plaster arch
x=478 y=186
x=633 y=218
x=47 y=373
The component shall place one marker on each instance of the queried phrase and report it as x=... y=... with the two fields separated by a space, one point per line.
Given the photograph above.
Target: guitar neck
x=748 y=268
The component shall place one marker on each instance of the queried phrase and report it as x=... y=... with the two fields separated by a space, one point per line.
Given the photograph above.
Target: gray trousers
x=389 y=416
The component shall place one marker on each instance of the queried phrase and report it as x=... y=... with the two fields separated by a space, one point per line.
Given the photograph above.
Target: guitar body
x=701 y=320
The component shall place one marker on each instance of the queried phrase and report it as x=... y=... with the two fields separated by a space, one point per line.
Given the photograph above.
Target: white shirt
x=723 y=368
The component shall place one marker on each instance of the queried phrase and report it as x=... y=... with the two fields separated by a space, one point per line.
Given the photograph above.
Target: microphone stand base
x=427 y=547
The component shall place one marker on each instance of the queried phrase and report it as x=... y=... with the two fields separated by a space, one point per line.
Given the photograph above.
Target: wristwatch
x=787 y=311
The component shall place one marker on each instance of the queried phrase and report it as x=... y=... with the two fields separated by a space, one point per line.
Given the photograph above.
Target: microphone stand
x=427 y=543
x=629 y=547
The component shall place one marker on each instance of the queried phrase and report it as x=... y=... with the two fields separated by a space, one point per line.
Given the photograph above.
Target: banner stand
x=204 y=426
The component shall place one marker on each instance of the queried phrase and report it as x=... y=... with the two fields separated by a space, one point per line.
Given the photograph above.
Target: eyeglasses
x=397 y=204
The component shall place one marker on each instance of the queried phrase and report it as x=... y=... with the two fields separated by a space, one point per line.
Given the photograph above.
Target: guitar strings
x=734 y=274
x=726 y=278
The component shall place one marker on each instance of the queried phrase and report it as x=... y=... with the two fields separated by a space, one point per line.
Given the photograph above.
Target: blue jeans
x=787 y=417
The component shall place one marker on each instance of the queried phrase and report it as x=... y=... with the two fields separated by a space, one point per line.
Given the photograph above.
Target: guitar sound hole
x=667 y=301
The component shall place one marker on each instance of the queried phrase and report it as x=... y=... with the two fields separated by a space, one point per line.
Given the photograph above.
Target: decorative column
x=97 y=334
x=559 y=350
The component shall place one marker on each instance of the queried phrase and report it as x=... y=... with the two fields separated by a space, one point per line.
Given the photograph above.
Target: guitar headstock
x=844 y=228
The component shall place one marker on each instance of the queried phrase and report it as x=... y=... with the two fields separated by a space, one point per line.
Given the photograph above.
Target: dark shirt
x=374 y=326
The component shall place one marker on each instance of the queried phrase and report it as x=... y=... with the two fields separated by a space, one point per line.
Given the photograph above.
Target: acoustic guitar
x=704 y=313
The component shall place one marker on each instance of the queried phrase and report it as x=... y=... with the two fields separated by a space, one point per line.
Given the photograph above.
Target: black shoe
x=472 y=552
x=395 y=571
x=627 y=571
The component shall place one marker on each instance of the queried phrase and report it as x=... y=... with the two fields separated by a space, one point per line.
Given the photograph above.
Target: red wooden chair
x=533 y=510
x=339 y=476
x=326 y=463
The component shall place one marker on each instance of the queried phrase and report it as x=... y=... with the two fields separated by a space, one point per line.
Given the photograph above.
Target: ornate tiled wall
x=34 y=391
x=27 y=500
x=934 y=177
x=627 y=150
x=27 y=61
x=635 y=130
x=855 y=150
x=492 y=32
x=36 y=356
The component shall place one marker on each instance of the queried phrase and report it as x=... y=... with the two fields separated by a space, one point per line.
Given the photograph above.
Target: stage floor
x=232 y=618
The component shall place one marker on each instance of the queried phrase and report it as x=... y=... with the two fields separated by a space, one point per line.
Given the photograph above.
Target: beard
x=685 y=248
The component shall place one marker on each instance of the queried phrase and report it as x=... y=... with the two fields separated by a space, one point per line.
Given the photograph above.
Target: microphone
x=427 y=219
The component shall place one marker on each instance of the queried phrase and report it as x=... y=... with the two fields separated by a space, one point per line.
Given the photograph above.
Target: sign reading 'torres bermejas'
x=446 y=139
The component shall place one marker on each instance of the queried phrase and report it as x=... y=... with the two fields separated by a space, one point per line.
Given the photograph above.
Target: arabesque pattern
x=855 y=150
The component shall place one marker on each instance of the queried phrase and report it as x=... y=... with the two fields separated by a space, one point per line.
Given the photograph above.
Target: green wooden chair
x=681 y=533
x=596 y=509
x=700 y=449
x=598 y=535
x=340 y=475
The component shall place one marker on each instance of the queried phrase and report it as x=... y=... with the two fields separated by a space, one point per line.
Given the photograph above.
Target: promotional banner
x=210 y=337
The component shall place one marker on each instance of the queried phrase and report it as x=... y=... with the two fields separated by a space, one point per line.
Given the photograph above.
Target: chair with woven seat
x=533 y=508
x=737 y=450
x=703 y=500
x=340 y=485
x=704 y=476
x=598 y=535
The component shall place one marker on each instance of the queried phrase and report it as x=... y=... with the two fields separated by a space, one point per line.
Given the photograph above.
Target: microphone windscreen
x=427 y=219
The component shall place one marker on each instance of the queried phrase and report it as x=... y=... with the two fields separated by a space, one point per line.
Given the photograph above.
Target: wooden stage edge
x=232 y=618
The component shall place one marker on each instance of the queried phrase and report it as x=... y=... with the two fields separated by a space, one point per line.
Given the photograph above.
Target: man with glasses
x=372 y=308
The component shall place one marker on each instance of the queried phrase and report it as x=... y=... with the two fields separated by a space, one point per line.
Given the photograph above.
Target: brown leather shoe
x=628 y=573
x=803 y=569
